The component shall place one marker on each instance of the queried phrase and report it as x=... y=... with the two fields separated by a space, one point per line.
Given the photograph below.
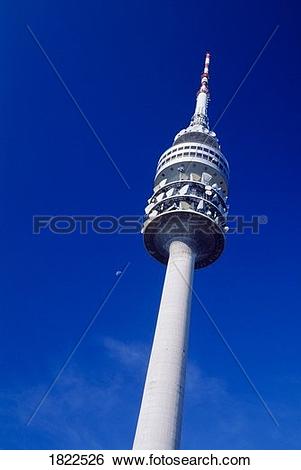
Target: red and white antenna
x=200 y=116
x=205 y=75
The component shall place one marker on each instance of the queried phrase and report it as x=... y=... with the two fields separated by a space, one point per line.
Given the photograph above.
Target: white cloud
x=133 y=355
x=201 y=388
x=85 y=407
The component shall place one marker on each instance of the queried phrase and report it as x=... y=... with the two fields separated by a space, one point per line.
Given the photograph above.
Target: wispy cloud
x=212 y=413
x=84 y=410
x=133 y=355
x=75 y=415
x=200 y=388
x=76 y=346
x=81 y=410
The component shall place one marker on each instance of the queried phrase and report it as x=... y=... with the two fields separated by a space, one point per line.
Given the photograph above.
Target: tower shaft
x=159 y=422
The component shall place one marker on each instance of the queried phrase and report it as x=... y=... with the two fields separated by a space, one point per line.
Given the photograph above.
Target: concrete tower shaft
x=159 y=421
x=184 y=228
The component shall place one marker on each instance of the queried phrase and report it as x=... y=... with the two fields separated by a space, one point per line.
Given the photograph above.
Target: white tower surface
x=184 y=228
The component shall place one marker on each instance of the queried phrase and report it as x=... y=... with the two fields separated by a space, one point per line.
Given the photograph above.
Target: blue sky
x=134 y=69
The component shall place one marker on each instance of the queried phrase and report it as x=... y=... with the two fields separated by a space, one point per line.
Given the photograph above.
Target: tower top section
x=189 y=200
x=199 y=124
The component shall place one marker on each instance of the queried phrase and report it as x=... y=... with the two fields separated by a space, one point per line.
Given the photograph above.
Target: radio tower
x=184 y=228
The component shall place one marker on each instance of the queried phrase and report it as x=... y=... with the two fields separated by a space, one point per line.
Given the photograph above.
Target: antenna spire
x=205 y=75
x=200 y=116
